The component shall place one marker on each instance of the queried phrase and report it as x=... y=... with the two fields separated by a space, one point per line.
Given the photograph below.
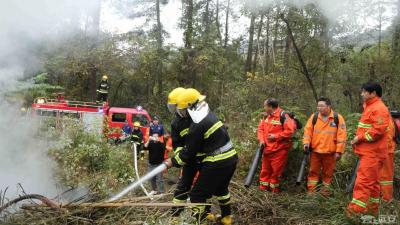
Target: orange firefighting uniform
x=168 y=149
x=275 y=153
x=372 y=149
x=387 y=170
x=325 y=138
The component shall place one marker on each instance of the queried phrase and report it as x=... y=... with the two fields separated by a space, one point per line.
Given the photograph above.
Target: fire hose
x=134 y=146
x=140 y=181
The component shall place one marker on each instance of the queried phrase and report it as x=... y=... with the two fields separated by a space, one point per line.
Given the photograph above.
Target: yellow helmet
x=105 y=77
x=174 y=94
x=136 y=124
x=188 y=98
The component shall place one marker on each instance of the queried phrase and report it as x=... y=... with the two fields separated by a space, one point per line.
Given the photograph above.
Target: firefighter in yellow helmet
x=179 y=130
x=102 y=90
x=137 y=136
x=209 y=137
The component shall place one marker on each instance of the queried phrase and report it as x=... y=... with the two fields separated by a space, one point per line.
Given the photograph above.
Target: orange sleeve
x=289 y=127
x=341 y=135
x=260 y=131
x=308 y=130
x=380 y=122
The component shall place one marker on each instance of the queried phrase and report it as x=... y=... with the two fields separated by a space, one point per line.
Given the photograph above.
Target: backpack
x=396 y=121
x=335 y=119
x=292 y=116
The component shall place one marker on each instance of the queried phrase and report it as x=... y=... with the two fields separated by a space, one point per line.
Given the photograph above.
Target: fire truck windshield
x=140 y=118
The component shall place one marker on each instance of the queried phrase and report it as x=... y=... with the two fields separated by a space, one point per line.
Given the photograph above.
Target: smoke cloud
x=24 y=25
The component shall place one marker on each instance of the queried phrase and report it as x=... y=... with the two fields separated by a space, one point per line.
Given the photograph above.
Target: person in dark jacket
x=156 y=150
x=126 y=133
x=155 y=127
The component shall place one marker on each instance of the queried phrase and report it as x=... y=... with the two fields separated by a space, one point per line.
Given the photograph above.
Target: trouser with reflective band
x=386 y=178
x=366 y=190
x=214 y=180
x=321 y=166
x=273 y=164
x=181 y=194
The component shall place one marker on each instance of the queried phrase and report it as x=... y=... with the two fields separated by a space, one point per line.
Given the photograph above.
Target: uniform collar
x=276 y=112
x=372 y=101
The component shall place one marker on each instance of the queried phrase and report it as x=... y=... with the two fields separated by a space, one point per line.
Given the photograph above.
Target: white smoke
x=24 y=25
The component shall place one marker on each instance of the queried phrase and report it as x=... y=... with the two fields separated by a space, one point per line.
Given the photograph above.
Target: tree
x=247 y=67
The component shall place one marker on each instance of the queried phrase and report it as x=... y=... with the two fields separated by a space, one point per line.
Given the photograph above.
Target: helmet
x=105 y=77
x=136 y=124
x=174 y=94
x=189 y=97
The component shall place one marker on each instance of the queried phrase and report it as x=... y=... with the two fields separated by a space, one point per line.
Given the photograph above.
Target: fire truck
x=96 y=117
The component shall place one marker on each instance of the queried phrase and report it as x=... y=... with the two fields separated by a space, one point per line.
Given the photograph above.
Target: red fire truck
x=95 y=116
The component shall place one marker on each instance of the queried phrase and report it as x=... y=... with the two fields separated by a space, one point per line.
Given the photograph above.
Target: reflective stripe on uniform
x=200 y=154
x=386 y=182
x=225 y=197
x=215 y=127
x=220 y=157
x=264 y=183
x=273 y=185
x=178 y=149
x=325 y=132
x=198 y=209
x=276 y=122
x=359 y=203
x=364 y=125
x=368 y=137
x=184 y=132
x=312 y=182
x=177 y=201
x=179 y=160
x=374 y=200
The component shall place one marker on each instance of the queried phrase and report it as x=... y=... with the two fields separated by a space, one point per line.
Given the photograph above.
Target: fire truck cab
x=117 y=116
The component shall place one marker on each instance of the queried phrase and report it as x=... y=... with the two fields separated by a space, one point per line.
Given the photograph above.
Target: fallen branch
x=41 y=198
x=120 y=204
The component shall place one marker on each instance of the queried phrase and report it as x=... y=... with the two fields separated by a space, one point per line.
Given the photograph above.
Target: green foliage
x=86 y=159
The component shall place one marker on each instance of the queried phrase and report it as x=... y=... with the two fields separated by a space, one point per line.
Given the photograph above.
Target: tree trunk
x=217 y=23
x=159 y=49
x=94 y=29
x=396 y=35
x=301 y=59
x=266 y=48
x=325 y=38
x=187 y=73
x=227 y=25
x=274 y=42
x=189 y=25
x=250 y=47
x=260 y=25
x=206 y=24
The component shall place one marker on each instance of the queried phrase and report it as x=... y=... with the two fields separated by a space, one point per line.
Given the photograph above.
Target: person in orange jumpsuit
x=275 y=136
x=371 y=145
x=387 y=171
x=325 y=136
